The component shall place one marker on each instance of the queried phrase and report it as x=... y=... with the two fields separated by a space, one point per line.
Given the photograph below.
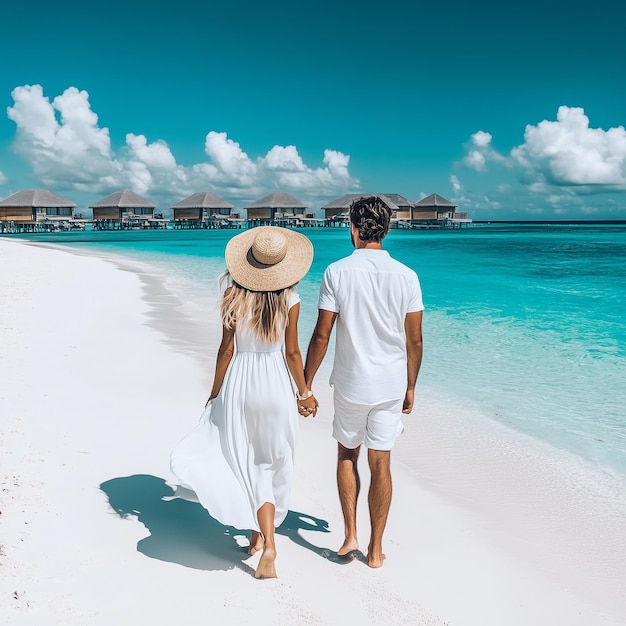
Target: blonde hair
x=267 y=312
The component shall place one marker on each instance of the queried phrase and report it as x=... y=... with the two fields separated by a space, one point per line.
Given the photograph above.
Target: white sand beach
x=98 y=383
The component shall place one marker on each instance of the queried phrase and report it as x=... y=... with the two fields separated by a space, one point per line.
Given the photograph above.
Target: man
x=377 y=304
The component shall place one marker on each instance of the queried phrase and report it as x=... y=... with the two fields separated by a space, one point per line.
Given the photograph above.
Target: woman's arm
x=224 y=356
x=294 y=361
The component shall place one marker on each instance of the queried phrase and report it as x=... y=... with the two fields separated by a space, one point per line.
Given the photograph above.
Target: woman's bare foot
x=266 y=567
x=256 y=542
x=349 y=545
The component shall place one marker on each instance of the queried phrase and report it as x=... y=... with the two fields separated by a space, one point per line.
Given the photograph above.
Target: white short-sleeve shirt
x=372 y=293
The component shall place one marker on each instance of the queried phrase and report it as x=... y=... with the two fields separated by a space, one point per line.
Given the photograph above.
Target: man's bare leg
x=379 y=499
x=256 y=542
x=349 y=485
x=266 y=567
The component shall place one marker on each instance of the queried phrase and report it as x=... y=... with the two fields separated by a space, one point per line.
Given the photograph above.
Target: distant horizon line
x=566 y=221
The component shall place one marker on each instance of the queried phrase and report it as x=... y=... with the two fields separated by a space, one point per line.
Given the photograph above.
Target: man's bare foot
x=256 y=542
x=266 y=567
x=349 y=545
x=375 y=559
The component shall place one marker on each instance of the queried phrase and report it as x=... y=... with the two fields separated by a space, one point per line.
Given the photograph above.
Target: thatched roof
x=203 y=200
x=346 y=200
x=434 y=200
x=277 y=201
x=124 y=200
x=398 y=200
x=36 y=199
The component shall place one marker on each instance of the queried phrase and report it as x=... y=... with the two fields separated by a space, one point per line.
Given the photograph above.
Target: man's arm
x=318 y=344
x=414 y=349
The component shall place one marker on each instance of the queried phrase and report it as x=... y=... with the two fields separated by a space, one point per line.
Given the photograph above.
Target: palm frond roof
x=346 y=200
x=124 y=199
x=435 y=200
x=278 y=200
x=397 y=199
x=37 y=199
x=203 y=200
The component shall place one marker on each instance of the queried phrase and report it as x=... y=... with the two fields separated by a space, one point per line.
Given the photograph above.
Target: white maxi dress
x=241 y=453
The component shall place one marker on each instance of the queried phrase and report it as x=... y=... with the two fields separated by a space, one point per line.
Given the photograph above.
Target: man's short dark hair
x=371 y=216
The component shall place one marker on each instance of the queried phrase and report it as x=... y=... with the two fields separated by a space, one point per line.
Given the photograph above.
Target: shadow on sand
x=183 y=532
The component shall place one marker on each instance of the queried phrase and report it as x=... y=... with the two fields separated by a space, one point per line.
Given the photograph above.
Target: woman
x=239 y=459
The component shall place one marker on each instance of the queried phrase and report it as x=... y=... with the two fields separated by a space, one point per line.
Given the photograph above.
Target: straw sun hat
x=268 y=258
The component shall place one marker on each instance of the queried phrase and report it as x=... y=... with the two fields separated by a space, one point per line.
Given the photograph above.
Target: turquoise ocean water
x=524 y=323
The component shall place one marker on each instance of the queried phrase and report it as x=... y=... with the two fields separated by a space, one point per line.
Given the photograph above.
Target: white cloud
x=492 y=204
x=34 y=116
x=155 y=155
x=479 y=151
x=560 y=153
x=568 y=152
x=458 y=192
x=79 y=124
x=62 y=138
x=556 y=199
x=3 y=178
x=476 y=160
x=152 y=166
x=231 y=163
x=285 y=159
x=337 y=163
x=285 y=165
x=588 y=210
x=481 y=139
x=65 y=147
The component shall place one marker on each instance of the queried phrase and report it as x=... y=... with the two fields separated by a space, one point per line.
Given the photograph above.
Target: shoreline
x=445 y=548
x=572 y=397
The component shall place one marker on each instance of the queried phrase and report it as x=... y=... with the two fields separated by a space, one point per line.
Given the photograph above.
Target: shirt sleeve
x=415 y=303
x=294 y=298
x=328 y=300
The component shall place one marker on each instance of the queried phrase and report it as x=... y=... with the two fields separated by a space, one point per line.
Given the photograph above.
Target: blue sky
x=512 y=111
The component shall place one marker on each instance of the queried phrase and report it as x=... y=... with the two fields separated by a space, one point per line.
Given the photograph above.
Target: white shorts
x=377 y=426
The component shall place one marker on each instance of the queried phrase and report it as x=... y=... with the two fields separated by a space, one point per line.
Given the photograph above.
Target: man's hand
x=407 y=405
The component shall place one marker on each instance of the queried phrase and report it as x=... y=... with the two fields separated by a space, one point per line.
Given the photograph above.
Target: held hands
x=307 y=406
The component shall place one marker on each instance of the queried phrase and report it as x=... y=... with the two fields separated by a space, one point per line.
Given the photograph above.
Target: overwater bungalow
x=434 y=210
x=37 y=210
x=125 y=210
x=336 y=212
x=277 y=209
x=205 y=210
x=402 y=205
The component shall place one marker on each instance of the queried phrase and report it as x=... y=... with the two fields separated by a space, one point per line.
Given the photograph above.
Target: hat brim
x=246 y=271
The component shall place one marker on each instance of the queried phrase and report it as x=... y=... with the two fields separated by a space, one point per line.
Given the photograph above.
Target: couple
x=239 y=459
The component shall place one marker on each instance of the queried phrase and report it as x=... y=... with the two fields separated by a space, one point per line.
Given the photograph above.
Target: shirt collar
x=370 y=251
